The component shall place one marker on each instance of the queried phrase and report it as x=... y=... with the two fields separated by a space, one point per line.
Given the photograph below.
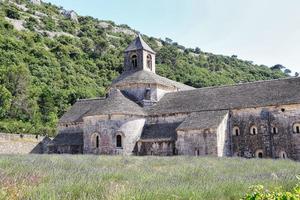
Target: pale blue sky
x=263 y=31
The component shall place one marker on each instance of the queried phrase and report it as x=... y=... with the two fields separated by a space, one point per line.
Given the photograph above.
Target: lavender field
x=113 y=177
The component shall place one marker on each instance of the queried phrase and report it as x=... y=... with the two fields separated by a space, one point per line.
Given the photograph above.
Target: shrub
x=12 y=13
x=258 y=192
x=31 y=23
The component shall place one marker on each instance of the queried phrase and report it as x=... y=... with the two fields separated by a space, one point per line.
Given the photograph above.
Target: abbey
x=146 y=114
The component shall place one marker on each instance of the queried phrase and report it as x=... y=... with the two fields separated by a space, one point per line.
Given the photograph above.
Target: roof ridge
x=139 y=43
x=246 y=83
x=155 y=78
x=91 y=99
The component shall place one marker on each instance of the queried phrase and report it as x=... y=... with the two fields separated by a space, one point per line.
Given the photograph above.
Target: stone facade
x=107 y=128
x=146 y=114
x=275 y=136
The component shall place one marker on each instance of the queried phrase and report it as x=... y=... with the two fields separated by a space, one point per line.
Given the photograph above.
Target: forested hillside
x=49 y=57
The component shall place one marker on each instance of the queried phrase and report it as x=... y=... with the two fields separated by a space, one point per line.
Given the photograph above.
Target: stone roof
x=68 y=139
x=162 y=131
x=203 y=120
x=255 y=94
x=115 y=103
x=147 y=77
x=78 y=110
x=139 y=44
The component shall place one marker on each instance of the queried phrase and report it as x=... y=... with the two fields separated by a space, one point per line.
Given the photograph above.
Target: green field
x=112 y=177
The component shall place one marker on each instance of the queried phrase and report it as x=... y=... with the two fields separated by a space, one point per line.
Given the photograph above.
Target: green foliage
x=42 y=73
x=31 y=23
x=258 y=192
x=49 y=23
x=5 y=101
x=12 y=13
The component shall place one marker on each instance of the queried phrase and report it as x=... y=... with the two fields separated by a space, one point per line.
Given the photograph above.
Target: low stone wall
x=22 y=144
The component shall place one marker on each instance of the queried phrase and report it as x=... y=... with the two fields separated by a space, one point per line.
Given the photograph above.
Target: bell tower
x=139 y=56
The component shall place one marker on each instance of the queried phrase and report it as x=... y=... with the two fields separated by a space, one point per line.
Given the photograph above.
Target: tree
x=287 y=71
x=168 y=41
x=12 y=13
x=5 y=101
x=197 y=50
x=296 y=74
x=16 y=79
x=278 y=67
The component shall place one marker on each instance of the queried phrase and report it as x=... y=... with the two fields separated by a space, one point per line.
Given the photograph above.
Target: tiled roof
x=203 y=120
x=116 y=103
x=255 y=94
x=75 y=138
x=79 y=109
x=139 y=44
x=142 y=76
x=166 y=131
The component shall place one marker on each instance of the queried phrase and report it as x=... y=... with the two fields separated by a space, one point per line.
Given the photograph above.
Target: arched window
x=259 y=153
x=274 y=130
x=95 y=139
x=197 y=152
x=119 y=141
x=236 y=131
x=147 y=95
x=149 y=61
x=253 y=130
x=134 y=61
x=282 y=155
x=296 y=128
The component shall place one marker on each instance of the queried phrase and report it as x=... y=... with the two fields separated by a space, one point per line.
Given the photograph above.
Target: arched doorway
x=259 y=153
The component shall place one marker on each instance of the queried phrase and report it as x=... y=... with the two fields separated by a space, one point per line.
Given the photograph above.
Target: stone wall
x=156 y=148
x=197 y=142
x=274 y=134
x=22 y=144
x=107 y=129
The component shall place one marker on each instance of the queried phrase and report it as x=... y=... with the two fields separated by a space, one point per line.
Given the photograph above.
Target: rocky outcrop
x=18 y=24
x=71 y=14
x=36 y=2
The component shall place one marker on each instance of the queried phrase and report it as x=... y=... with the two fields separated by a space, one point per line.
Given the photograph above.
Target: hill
x=49 y=57
x=112 y=177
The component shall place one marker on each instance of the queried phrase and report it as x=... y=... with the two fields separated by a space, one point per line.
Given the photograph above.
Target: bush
x=12 y=13
x=31 y=23
x=49 y=24
x=258 y=192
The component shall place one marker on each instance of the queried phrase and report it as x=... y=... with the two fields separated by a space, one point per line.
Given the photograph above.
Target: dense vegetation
x=112 y=177
x=52 y=60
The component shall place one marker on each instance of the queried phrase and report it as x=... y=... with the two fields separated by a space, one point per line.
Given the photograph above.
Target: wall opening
x=149 y=61
x=197 y=152
x=147 y=95
x=282 y=155
x=134 y=61
x=97 y=141
x=236 y=131
x=296 y=128
x=259 y=154
x=119 y=141
x=275 y=130
x=253 y=130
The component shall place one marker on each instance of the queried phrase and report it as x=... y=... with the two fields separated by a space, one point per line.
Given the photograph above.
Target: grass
x=114 y=177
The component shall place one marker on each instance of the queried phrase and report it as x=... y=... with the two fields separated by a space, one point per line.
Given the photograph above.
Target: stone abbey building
x=146 y=114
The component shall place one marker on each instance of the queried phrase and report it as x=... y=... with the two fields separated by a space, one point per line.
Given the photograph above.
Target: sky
x=263 y=31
